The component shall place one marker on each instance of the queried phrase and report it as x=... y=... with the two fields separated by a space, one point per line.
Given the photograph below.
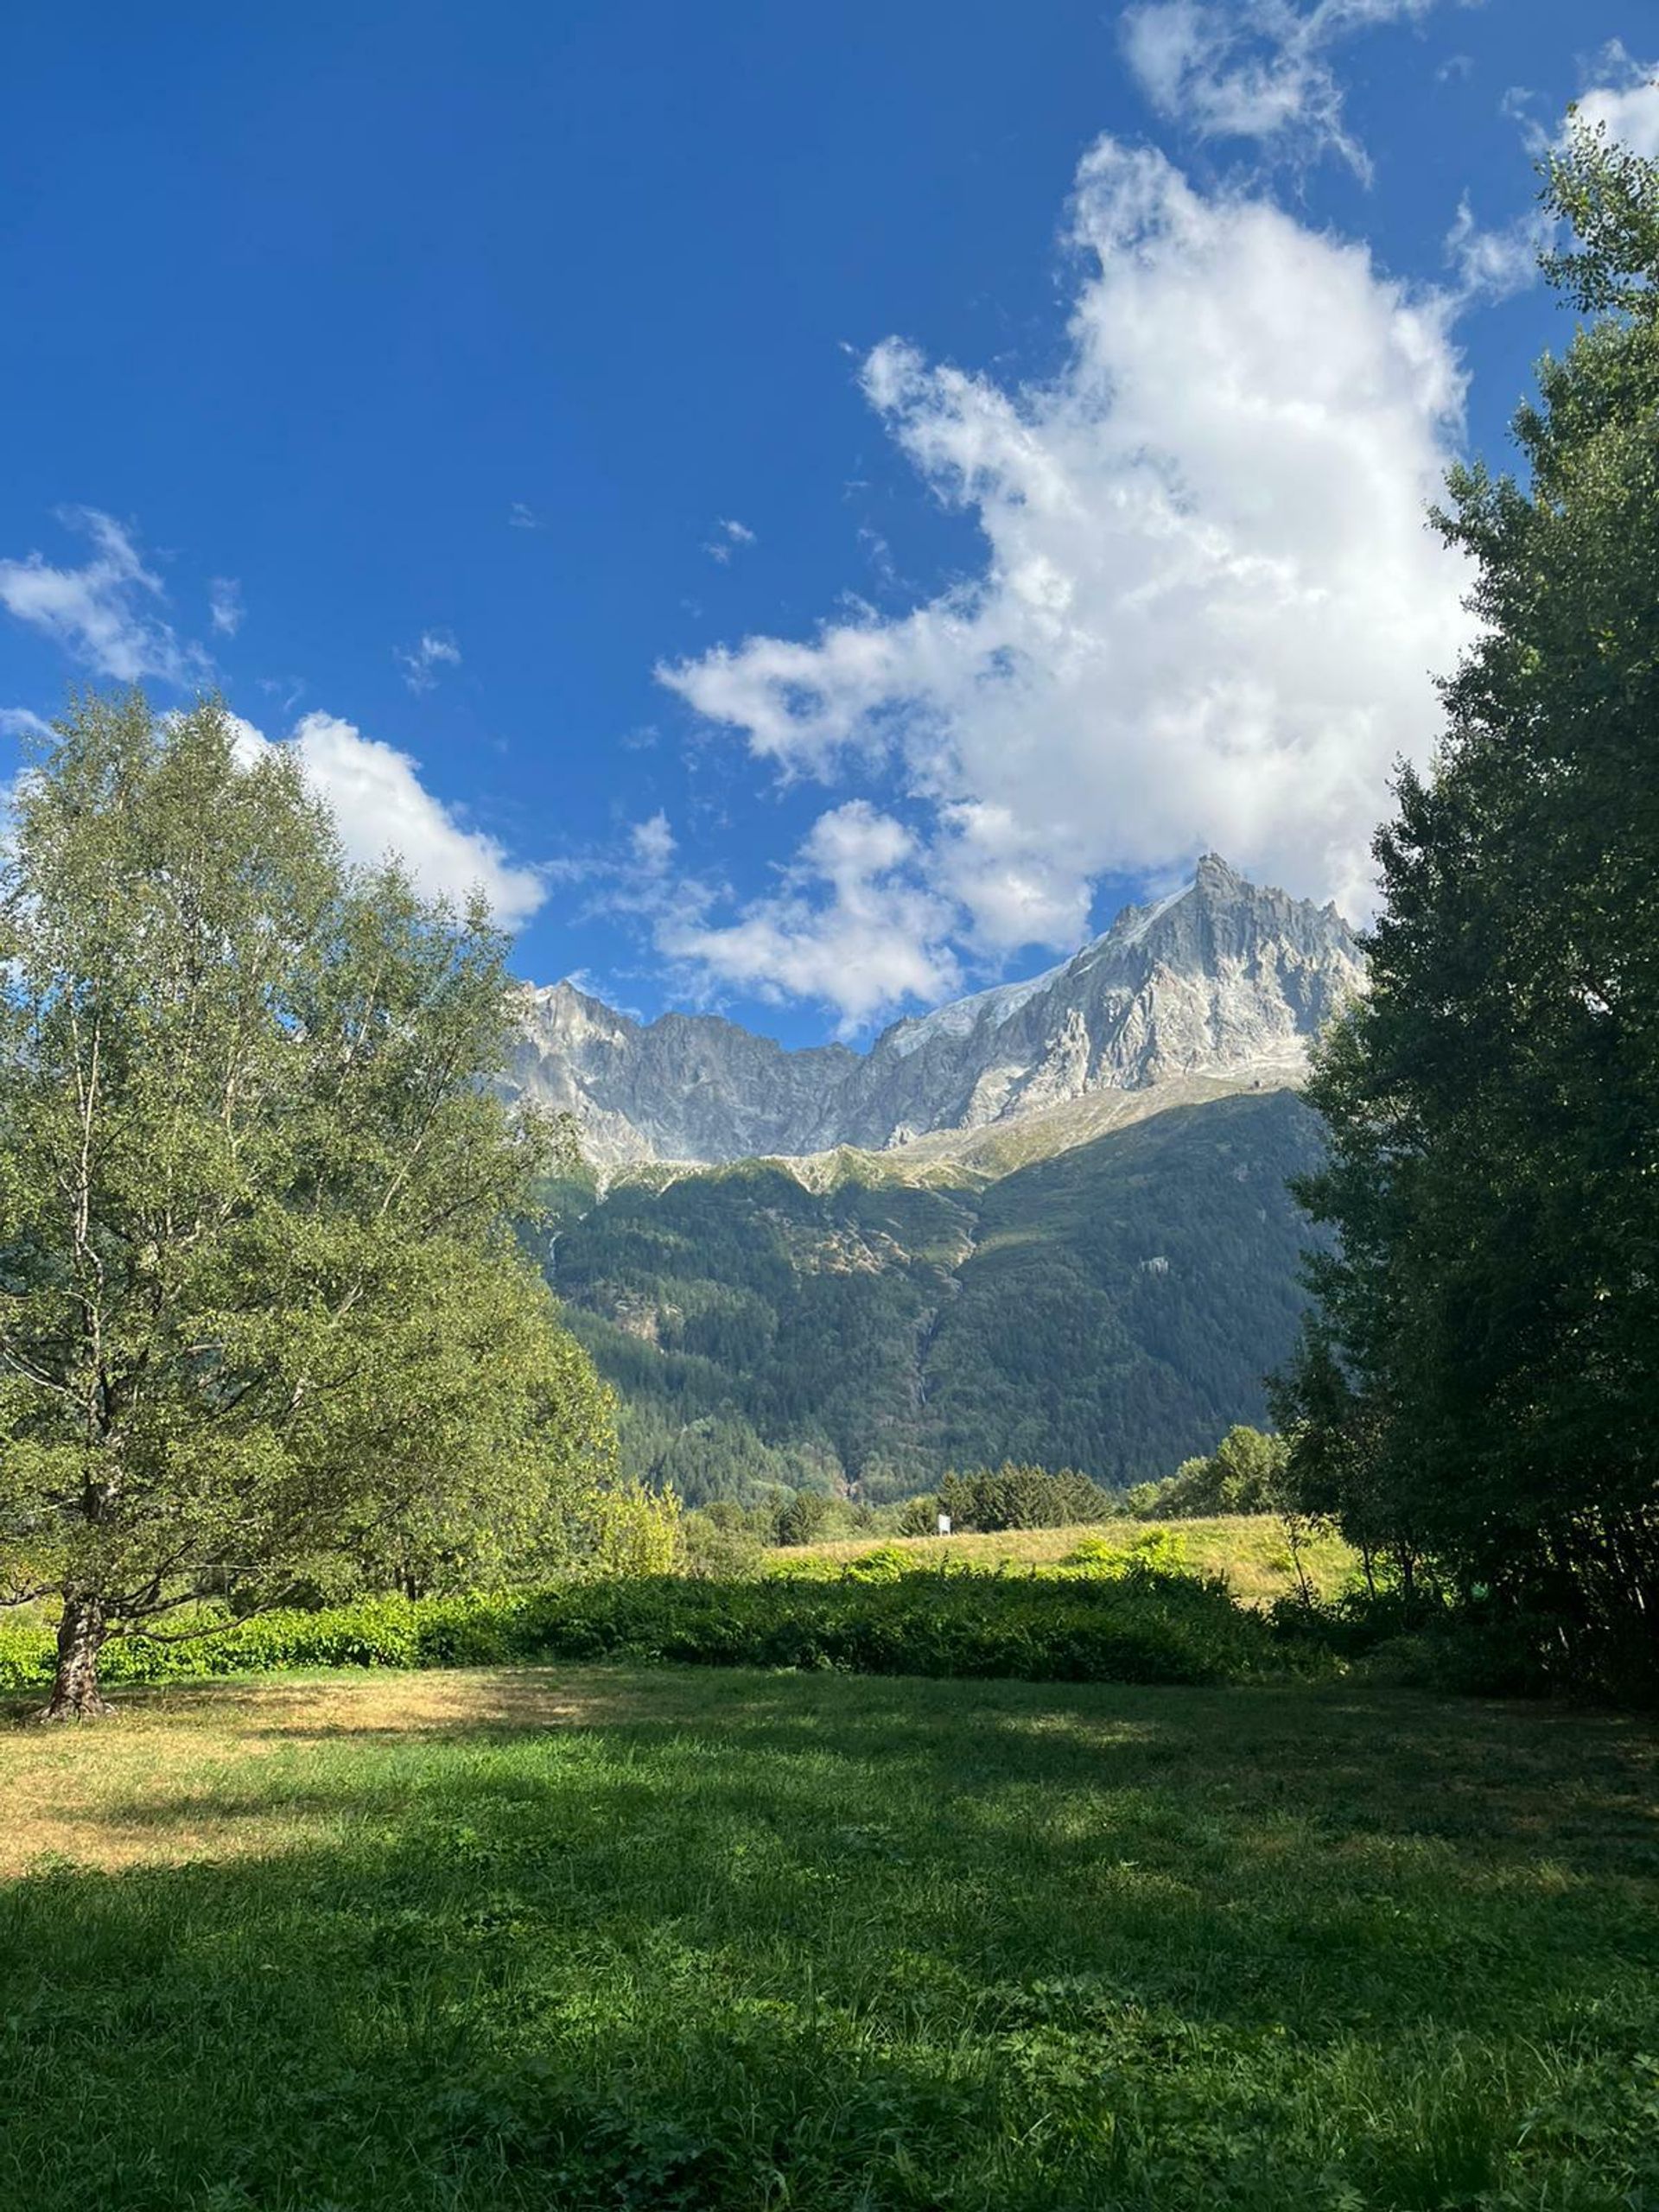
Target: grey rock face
x=1220 y=978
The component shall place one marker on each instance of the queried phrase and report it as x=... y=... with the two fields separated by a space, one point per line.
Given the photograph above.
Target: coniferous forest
x=1114 y=1310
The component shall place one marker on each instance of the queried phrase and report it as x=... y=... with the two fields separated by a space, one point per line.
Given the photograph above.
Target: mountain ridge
x=1221 y=981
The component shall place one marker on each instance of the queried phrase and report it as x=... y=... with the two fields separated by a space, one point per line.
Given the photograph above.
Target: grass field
x=729 y=1941
x=1249 y=1548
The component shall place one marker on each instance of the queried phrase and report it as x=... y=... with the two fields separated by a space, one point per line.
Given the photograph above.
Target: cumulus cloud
x=421 y=665
x=1624 y=100
x=1209 y=607
x=380 y=805
x=1256 y=69
x=853 y=926
x=104 y=613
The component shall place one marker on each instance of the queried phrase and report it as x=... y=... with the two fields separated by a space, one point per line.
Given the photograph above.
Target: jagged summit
x=1222 y=978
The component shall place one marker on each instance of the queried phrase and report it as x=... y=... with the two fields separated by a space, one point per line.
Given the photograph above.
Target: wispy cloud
x=1493 y=264
x=421 y=665
x=224 y=604
x=103 y=612
x=22 y=721
x=653 y=843
x=1620 y=99
x=520 y=517
x=1255 y=69
x=728 y=536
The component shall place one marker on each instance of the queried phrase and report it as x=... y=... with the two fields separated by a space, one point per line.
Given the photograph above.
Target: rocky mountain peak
x=1221 y=978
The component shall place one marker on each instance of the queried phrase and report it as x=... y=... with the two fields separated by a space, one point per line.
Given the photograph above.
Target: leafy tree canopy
x=261 y=1305
x=1476 y=1384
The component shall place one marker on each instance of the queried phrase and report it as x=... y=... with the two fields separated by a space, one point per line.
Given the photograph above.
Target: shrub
x=887 y=1563
x=1096 y=1553
x=1143 y=1625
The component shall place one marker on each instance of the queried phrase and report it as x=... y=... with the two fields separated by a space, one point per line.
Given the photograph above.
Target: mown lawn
x=699 y=1939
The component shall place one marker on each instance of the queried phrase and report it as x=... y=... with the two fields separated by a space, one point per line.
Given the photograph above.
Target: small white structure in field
x=945 y=1524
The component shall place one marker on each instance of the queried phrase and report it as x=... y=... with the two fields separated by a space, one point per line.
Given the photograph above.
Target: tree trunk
x=76 y=1694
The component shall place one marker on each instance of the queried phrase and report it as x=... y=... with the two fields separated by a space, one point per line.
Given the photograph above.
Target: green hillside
x=1112 y=1308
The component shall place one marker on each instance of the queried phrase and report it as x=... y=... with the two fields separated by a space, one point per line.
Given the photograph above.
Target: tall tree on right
x=1479 y=1374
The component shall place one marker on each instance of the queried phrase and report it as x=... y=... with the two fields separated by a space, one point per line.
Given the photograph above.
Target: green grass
x=725 y=1940
x=1248 y=1549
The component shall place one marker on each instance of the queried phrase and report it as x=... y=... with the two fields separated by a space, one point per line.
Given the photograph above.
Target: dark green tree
x=1477 y=1382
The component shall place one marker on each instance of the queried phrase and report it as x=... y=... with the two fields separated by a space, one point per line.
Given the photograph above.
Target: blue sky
x=814 y=507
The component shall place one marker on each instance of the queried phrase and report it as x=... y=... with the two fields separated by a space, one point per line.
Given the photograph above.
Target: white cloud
x=22 y=721
x=436 y=650
x=853 y=927
x=380 y=805
x=730 y=535
x=520 y=517
x=224 y=604
x=1210 y=604
x=1626 y=102
x=1255 y=68
x=652 y=843
x=1496 y=264
x=103 y=612
x=1623 y=102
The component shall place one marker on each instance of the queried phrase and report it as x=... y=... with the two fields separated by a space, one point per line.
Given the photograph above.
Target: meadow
x=1248 y=1549
x=723 y=1939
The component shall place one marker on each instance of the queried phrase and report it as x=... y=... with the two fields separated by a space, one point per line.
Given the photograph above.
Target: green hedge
x=1139 y=1626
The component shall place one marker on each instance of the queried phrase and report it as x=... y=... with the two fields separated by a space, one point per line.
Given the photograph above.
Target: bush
x=1144 y=1624
x=718 y=1549
x=887 y=1563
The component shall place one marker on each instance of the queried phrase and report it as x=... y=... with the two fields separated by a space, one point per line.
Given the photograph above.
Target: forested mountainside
x=1112 y=1308
x=1221 y=979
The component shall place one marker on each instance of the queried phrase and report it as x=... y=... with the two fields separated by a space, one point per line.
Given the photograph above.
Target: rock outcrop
x=1221 y=979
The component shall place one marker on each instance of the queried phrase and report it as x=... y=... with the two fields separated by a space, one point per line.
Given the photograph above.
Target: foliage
x=720 y=1942
x=920 y=1516
x=1113 y=1310
x=802 y=1518
x=1146 y=1622
x=621 y=1529
x=260 y=1304
x=1476 y=1385
x=1243 y=1474
x=719 y=1545
x=1021 y=1497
